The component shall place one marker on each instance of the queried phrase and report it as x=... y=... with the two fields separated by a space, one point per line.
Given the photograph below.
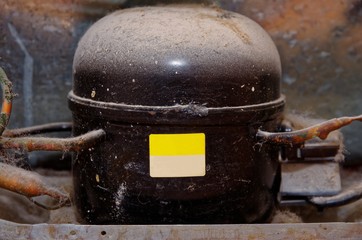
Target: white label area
x=177 y=166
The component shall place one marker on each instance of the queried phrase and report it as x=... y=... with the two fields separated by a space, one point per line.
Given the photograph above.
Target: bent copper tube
x=9 y=139
x=27 y=183
x=74 y=144
x=320 y=130
x=30 y=184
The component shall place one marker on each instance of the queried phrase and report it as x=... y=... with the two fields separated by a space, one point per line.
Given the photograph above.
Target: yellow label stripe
x=177 y=144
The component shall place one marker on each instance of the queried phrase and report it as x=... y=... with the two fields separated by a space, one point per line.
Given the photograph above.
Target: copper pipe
x=53 y=144
x=320 y=130
x=29 y=184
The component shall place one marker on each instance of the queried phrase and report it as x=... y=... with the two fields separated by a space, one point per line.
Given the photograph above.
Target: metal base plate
x=310 y=179
x=11 y=230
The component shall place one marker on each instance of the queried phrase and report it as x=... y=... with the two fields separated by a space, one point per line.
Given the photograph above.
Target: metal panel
x=258 y=231
x=310 y=179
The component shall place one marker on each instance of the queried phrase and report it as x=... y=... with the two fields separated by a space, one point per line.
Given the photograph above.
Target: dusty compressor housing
x=181 y=93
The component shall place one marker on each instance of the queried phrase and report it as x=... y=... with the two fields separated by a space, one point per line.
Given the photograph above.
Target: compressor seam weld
x=192 y=109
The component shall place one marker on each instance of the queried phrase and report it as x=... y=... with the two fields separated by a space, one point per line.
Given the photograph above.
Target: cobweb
x=17 y=158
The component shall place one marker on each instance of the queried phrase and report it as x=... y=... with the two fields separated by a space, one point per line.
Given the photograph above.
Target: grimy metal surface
x=182 y=87
x=11 y=230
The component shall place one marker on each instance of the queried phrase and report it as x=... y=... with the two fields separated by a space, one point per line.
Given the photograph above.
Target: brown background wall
x=320 y=43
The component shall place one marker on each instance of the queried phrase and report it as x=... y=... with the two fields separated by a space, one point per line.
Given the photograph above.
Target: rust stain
x=257 y=236
x=292 y=233
x=52 y=230
x=226 y=20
